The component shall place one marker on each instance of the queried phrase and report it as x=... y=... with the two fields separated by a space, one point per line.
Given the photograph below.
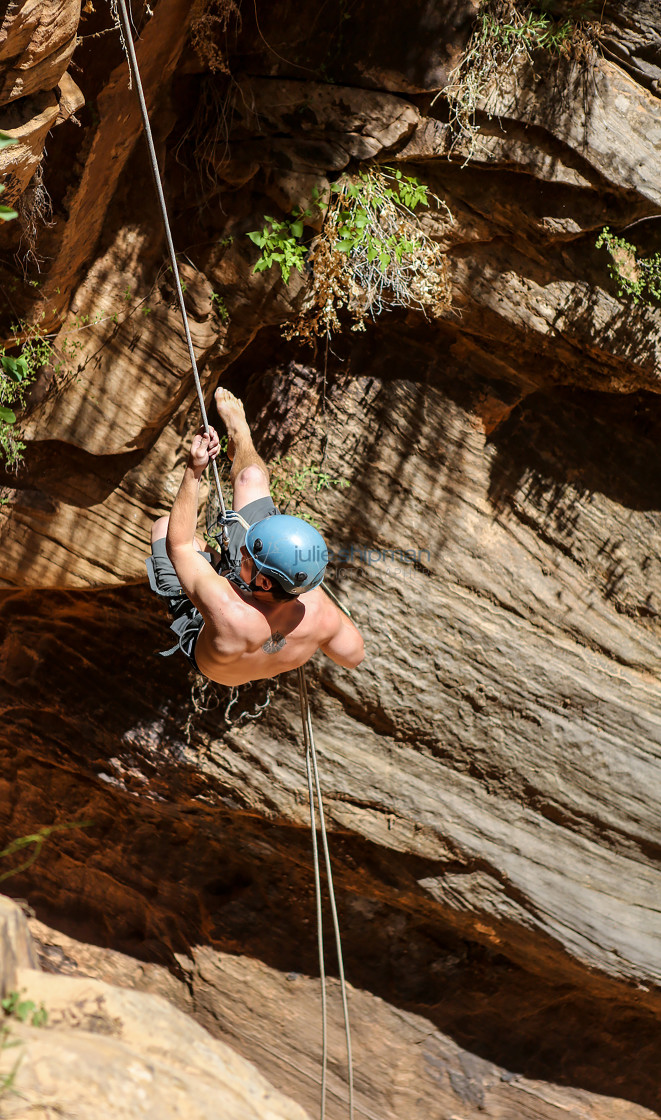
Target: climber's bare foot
x=230 y=410
x=248 y=485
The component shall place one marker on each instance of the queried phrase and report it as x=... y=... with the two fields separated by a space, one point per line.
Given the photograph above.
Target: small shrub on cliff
x=32 y=351
x=220 y=307
x=280 y=244
x=17 y=373
x=291 y=484
x=13 y=385
x=24 y=1009
x=370 y=254
x=505 y=32
x=6 y=212
x=638 y=277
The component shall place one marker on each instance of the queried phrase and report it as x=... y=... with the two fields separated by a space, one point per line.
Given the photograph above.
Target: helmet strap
x=250 y=588
x=234 y=577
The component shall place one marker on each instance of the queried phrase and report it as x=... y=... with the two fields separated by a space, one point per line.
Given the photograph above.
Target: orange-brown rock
x=37 y=40
x=491 y=772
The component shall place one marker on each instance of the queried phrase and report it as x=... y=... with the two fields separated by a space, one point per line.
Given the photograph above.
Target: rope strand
x=127 y=40
x=317 y=889
x=311 y=763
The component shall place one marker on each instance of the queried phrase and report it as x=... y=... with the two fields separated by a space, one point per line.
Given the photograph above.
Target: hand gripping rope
x=119 y=9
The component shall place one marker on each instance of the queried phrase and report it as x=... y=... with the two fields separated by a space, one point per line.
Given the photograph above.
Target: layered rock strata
x=492 y=770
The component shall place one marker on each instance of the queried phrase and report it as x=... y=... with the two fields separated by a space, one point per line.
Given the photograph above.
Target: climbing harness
x=118 y=7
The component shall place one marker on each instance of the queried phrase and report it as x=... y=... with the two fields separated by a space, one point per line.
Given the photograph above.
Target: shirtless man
x=270 y=614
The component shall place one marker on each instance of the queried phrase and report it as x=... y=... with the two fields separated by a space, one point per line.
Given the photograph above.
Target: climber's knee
x=159 y=529
x=251 y=483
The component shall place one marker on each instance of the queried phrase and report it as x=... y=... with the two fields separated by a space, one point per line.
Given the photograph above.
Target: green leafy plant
x=371 y=251
x=7 y=1042
x=291 y=485
x=638 y=277
x=14 y=373
x=280 y=244
x=24 y=1009
x=36 y=351
x=182 y=282
x=220 y=307
x=14 y=381
x=6 y=212
x=17 y=373
x=530 y=31
x=36 y=348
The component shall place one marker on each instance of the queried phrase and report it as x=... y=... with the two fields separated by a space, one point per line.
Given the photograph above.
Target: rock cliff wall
x=96 y=1050
x=492 y=770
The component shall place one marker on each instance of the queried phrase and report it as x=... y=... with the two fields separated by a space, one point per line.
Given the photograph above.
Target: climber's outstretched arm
x=197 y=577
x=183 y=518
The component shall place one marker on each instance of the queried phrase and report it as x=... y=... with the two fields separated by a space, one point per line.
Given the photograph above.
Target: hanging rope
x=127 y=39
x=313 y=772
x=308 y=736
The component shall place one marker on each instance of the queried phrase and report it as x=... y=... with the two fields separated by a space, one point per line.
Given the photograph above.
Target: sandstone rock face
x=36 y=43
x=106 y=1051
x=37 y=40
x=404 y=1066
x=492 y=770
x=16 y=948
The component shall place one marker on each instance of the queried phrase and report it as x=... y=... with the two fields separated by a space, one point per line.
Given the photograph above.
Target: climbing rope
x=119 y=8
x=127 y=40
x=313 y=771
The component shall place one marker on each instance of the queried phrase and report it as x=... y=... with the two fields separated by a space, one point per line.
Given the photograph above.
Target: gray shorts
x=164 y=581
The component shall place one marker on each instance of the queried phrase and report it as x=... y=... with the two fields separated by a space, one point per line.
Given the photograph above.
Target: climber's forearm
x=183 y=518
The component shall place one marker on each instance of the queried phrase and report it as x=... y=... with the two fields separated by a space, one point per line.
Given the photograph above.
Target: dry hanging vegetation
x=371 y=254
x=210 y=21
x=506 y=33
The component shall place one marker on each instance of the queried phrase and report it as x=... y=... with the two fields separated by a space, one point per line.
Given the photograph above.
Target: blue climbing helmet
x=288 y=550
